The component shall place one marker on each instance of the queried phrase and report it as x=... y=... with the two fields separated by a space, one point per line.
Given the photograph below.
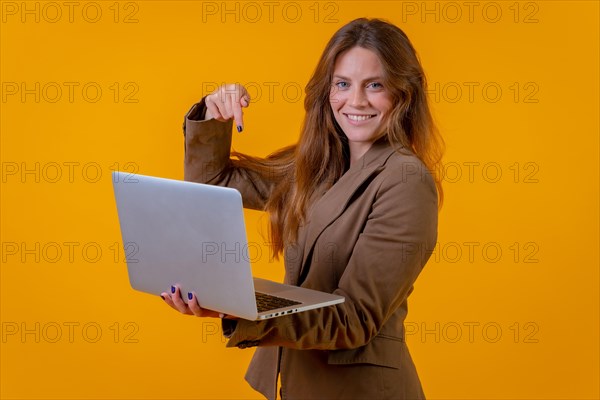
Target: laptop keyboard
x=266 y=302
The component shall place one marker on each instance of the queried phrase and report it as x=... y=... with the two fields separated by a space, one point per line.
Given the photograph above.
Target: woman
x=353 y=209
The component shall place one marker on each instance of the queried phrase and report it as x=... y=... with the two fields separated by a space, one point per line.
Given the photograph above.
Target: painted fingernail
x=172 y=289
x=239 y=128
x=190 y=295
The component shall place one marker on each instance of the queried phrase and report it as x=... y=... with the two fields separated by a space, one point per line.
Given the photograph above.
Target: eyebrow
x=374 y=78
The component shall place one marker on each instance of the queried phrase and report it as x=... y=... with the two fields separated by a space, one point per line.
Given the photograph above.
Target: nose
x=358 y=97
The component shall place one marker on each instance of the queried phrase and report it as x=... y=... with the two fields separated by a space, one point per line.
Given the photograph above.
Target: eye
x=375 y=85
x=342 y=84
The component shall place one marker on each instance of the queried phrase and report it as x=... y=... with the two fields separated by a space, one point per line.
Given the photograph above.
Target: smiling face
x=359 y=100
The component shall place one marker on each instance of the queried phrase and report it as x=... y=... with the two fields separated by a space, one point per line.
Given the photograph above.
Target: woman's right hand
x=226 y=102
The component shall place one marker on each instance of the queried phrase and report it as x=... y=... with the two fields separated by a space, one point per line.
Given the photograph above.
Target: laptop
x=193 y=235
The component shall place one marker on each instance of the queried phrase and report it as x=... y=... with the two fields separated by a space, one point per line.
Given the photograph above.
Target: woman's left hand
x=175 y=301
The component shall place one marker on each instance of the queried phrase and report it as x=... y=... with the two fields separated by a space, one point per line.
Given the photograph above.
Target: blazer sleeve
x=385 y=262
x=207 y=159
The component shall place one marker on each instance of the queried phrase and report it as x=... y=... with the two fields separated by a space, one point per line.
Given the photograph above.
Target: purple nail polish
x=172 y=289
x=239 y=128
x=190 y=295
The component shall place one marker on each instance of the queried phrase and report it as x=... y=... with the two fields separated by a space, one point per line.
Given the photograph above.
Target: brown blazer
x=366 y=238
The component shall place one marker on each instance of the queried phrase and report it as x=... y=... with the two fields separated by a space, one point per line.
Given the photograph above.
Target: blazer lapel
x=331 y=205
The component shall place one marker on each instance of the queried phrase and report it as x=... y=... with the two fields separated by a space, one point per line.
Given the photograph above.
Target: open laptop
x=193 y=235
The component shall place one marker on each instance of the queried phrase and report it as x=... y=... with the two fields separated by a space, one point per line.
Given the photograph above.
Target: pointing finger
x=238 y=115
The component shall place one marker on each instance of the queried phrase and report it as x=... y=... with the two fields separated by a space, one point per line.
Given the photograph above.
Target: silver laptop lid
x=163 y=226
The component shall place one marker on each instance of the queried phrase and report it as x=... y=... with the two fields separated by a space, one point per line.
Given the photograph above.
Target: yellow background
x=507 y=308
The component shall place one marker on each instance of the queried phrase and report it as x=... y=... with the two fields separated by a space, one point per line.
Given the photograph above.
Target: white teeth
x=359 y=117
